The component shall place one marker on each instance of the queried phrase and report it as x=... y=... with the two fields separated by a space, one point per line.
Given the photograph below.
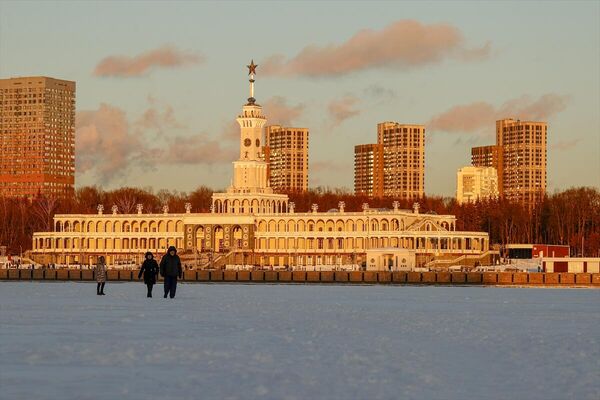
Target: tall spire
x=251 y=71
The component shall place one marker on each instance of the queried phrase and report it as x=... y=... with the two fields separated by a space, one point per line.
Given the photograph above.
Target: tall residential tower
x=519 y=156
x=286 y=154
x=523 y=160
x=368 y=170
x=37 y=137
x=402 y=166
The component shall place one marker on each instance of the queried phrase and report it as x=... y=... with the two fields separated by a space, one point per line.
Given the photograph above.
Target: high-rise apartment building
x=37 y=137
x=403 y=159
x=368 y=170
x=520 y=159
x=476 y=183
x=286 y=152
x=403 y=162
x=523 y=160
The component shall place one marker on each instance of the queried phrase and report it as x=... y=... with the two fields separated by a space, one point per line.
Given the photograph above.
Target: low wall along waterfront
x=329 y=277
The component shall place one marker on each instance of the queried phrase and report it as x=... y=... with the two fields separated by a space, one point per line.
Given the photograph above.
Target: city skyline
x=156 y=96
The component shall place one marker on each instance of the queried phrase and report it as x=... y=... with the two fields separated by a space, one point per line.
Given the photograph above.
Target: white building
x=476 y=183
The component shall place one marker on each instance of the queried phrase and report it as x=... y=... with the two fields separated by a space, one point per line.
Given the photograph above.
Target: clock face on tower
x=247 y=142
x=257 y=142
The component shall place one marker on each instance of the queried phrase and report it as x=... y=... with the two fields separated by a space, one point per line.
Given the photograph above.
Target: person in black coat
x=150 y=271
x=170 y=269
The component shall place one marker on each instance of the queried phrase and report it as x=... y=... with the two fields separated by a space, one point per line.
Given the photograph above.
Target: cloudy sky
x=159 y=83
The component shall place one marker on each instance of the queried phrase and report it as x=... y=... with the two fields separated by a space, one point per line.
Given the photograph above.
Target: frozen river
x=226 y=341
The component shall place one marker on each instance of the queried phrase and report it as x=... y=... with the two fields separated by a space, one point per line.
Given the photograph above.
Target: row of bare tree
x=569 y=217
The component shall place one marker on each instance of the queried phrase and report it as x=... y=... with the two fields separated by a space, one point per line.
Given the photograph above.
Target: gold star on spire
x=251 y=68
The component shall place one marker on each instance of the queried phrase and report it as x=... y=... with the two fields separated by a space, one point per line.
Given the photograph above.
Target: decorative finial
x=251 y=71
x=252 y=68
x=416 y=207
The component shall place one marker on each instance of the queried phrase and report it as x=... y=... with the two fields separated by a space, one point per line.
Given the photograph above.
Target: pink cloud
x=108 y=147
x=279 y=113
x=479 y=117
x=197 y=149
x=342 y=109
x=159 y=121
x=103 y=142
x=403 y=45
x=163 y=57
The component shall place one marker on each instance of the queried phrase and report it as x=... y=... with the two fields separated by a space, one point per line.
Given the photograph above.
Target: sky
x=159 y=84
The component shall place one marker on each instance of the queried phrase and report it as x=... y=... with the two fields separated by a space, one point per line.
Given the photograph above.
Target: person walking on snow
x=100 y=275
x=170 y=269
x=150 y=271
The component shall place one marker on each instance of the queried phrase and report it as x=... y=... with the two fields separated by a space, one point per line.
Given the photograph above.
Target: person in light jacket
x=150 y=271
x=170 y=269
x=100 y=275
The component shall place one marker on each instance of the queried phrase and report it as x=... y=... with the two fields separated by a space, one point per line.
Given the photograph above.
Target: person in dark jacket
x=100 y=275
x=150 y=271
x=170 y=269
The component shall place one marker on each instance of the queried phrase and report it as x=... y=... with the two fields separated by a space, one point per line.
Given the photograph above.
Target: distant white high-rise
x=476 y=183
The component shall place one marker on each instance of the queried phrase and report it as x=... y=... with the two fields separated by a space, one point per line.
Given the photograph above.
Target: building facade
x=403 y=159
x=476 y=183
x=520 y=158
x=523 y=160
x=368 y=170
x=402 y=165
x=286 y=154
x=37 y=137
x=252 y=222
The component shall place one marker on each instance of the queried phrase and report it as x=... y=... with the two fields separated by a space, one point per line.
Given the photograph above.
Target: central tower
x=250 y=192
x=250 y=171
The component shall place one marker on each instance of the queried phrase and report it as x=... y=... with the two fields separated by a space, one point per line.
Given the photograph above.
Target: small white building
x=476 y=183
x=574 y=265
x=391 y=259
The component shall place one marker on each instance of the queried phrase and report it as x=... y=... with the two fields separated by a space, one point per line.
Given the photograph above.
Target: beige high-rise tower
x=520 y=159
x=37 y=137
x=368 y=170
x=403 y=159
x=286 y=154
x=523 y=146
x=397 y=161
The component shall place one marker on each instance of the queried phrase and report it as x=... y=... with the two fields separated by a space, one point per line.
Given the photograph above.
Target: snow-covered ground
x=61 y=341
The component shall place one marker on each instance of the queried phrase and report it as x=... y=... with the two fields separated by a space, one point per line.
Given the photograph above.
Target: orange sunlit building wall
x=368 y=170
x=37 y=137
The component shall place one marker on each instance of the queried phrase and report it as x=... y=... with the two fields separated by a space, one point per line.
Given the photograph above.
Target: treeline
x=570 y=217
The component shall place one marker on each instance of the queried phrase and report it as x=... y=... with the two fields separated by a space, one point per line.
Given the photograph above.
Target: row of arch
x=349 y=225
x=108 y=244
x=246 y=206
x=103 y=225
x=267 y=244
x=358 y=244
